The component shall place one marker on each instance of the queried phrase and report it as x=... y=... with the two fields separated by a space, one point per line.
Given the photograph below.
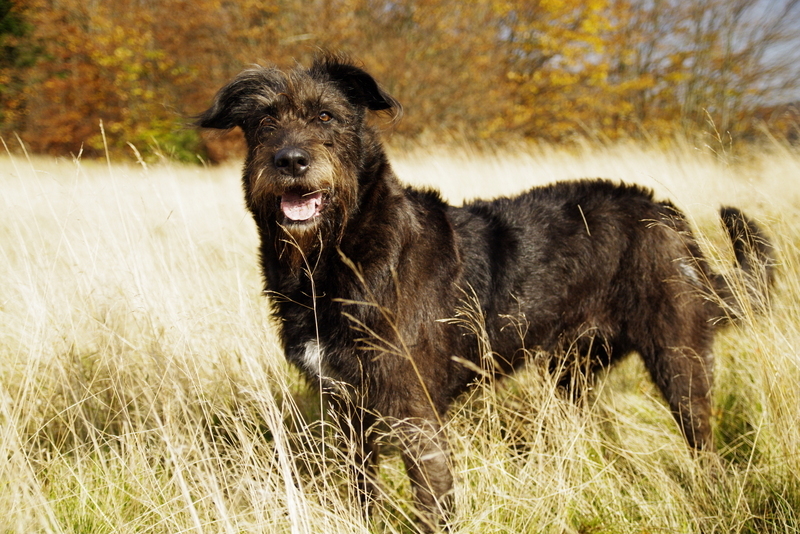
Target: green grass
x=141 y=388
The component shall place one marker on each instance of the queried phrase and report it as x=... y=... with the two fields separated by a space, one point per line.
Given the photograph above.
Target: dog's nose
x=292 y=160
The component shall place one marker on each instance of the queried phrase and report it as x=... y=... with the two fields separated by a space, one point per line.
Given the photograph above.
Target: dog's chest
x=318 y=332
x=312 y=359
x=328 y=363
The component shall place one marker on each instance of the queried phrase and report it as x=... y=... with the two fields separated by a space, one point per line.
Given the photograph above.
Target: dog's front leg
x=357 y=425
x=427 y=459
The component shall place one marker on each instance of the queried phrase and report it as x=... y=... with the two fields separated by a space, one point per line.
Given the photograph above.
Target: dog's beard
x=301 y=221
x=300 y=243
x=297 y=244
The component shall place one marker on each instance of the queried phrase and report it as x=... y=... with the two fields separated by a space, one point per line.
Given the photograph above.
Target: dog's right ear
x=234 y=103
x=359 y=87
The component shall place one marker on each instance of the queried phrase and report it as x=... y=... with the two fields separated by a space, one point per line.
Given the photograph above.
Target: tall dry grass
x=141 y=389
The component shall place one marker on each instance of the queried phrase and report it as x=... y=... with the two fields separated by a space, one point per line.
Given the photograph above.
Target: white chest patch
x=313 y=359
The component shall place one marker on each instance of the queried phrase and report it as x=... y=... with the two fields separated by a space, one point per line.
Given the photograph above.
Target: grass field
x=142 y=391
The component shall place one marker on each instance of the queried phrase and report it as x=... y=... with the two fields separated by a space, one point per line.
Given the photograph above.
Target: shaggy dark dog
x=363 y=273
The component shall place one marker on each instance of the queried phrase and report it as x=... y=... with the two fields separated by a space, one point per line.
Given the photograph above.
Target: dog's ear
x=237 y=101
x=358 y=86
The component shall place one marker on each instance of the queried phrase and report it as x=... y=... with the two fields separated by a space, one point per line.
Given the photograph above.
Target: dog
x=363 y=273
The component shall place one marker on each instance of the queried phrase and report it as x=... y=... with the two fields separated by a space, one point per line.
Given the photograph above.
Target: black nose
x=292 y=160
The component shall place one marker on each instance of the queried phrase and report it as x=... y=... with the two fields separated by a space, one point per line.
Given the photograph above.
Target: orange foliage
x=487 y=69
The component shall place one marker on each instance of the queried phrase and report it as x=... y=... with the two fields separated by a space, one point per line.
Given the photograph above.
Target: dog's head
x=306 y=137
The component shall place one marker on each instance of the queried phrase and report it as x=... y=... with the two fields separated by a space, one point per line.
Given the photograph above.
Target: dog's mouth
x=300 y=206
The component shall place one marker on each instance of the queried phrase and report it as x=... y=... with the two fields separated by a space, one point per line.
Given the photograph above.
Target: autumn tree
x=17 y=54
x=684 y=65
x=487 y=69
x=553 y=57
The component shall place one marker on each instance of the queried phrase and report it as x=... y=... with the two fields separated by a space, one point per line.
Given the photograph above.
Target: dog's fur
x=363 y=273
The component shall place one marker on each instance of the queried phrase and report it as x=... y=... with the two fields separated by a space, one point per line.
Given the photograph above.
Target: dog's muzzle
x=298 y=205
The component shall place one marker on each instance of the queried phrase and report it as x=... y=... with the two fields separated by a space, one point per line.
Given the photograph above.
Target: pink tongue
x=301 y=207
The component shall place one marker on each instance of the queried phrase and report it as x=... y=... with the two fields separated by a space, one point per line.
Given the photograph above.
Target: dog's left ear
x=358 y=86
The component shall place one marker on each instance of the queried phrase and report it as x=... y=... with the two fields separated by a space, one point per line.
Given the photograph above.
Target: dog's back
x=572 y=256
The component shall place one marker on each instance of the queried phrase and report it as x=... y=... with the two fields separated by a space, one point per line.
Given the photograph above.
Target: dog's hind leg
x=684 y=376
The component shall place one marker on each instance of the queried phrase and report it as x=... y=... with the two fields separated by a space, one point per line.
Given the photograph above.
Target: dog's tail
x=747 y=291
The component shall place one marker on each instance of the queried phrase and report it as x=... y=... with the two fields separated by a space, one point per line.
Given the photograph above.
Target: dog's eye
x=269 y=122
x=324 y=116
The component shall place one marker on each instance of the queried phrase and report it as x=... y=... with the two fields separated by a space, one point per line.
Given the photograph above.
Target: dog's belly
x=515 y=340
